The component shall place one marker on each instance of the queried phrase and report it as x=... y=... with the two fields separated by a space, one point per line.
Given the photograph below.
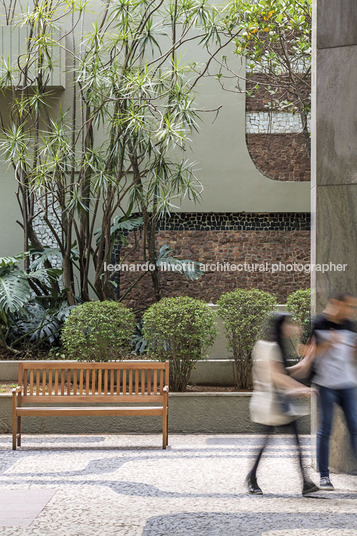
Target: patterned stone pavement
x=126 y=485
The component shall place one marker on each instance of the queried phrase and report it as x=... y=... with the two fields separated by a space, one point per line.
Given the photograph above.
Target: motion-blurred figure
x=272 y=402
x=334 y=370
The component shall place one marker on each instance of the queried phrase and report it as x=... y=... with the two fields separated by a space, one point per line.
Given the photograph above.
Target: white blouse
x=265 y=407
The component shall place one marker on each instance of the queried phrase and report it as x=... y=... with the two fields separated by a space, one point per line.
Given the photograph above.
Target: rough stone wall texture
x=282 y=157
x=260 y=98
x=219 y=246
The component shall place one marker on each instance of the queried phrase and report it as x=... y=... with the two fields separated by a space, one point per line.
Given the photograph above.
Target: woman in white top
x=274 y=390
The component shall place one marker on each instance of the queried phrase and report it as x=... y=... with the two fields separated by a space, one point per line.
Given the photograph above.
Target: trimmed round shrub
x=98 y=331
x=243 y=311
x=299 y=305
x=179 y=330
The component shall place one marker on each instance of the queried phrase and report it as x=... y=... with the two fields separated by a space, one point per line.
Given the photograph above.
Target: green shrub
x=243 y=311
x=98 y=331
x=299 y=305
x=179 y=330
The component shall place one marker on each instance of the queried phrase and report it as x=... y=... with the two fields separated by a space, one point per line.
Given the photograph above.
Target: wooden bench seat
x=89 y=384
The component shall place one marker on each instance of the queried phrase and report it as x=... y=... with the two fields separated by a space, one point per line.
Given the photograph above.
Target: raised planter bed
x=205 y=412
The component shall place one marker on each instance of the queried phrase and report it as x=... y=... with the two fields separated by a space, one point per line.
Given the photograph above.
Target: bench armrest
x=16 y=399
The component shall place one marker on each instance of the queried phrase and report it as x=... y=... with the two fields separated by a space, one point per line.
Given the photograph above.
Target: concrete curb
x=210 y=413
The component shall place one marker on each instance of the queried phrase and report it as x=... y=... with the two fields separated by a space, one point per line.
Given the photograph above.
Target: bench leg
x=164 y=429
x=14 y=430
x=19 y=431
x=167 y=427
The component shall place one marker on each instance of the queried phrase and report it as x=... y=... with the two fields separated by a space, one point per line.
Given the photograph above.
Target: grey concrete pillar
x=334 y=164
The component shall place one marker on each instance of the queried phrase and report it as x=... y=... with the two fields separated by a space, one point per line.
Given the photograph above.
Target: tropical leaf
x=47 y=254
x=39 y=323
x=120 y=224
x=44 y=274
x=190 y=269
x=138 y=342
x=14 y=291
x=126 y=225
x=12 y=261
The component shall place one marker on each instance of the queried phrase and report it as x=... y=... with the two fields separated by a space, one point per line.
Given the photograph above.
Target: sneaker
x=325 y=483
x=253 y=487
x=309 y=487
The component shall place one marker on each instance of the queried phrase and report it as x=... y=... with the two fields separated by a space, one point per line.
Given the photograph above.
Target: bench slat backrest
x=135 y=381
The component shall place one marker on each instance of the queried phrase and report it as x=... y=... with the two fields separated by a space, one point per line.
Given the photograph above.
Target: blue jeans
x=346 y=398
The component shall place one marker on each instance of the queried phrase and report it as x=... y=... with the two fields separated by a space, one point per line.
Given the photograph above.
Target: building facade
x=255 y=207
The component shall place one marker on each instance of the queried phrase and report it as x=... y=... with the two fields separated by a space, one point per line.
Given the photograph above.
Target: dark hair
x=340 y=296
x=272 y=329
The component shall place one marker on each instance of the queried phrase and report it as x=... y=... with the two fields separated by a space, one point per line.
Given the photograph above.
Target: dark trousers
x=346 y=398
x=269 y=430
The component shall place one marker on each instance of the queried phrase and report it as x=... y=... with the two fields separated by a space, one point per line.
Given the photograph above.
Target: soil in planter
x=23 y=354
x=6 y=387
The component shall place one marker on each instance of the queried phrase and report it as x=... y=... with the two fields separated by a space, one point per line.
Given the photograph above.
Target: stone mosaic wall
x=273 y=123
x=236 y=221
x=224 y=238
x=42 y=230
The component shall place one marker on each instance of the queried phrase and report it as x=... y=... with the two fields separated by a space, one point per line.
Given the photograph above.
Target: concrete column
x=334 y=165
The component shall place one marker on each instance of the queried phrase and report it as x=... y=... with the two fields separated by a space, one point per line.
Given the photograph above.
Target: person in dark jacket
x=334 y=373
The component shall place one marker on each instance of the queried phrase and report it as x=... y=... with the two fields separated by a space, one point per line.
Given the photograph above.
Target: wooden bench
x=55 y=383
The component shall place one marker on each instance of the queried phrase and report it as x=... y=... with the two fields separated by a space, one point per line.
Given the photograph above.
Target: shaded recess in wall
x=278 y=156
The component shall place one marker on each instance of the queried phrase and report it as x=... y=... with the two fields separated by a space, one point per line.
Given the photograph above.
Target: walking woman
x=272 y=402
